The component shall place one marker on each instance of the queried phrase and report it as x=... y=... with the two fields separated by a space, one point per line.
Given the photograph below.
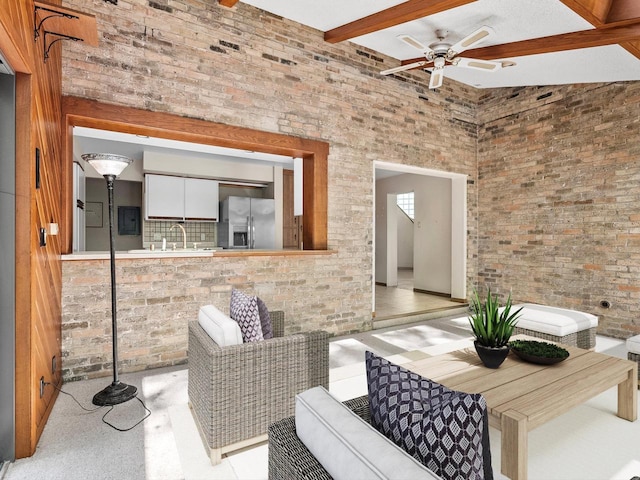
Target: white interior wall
x=405 y=240
x=392 y=241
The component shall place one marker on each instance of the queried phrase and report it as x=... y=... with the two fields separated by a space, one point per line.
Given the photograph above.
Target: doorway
x=7 y=260
x=431 y=277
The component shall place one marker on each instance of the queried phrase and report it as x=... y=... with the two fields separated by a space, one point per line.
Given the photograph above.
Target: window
x=405 y=202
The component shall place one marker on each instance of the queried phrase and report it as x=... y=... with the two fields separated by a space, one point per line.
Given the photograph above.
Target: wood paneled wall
x=38 y=268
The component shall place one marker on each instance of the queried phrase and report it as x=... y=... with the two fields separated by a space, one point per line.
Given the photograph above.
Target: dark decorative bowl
x=542 y=353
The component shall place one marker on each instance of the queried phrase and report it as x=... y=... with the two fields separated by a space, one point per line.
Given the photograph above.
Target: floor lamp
x=110 y=166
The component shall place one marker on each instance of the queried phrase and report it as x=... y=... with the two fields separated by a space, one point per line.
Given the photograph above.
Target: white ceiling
x=512 y=20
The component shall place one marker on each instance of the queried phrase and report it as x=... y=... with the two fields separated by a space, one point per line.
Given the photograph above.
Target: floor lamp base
x=115 y=394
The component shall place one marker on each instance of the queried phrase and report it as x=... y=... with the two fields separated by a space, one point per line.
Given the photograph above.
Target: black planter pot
x=492 y=357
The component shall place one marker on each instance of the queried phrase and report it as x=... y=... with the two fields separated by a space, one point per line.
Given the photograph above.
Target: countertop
x=156 y=254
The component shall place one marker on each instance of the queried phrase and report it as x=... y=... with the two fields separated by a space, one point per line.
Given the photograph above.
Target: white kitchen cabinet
x=200 y=199
x=180 y=198
x=164 y=197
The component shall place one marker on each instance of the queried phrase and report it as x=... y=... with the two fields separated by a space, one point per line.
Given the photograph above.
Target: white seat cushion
x=554 y=320
x=221 y=328
x=348 y=447
x=633 y=344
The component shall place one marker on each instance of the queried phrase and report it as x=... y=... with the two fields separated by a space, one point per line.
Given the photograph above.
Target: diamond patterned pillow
x=244 y=310
x=444 y=429
x=265 y=319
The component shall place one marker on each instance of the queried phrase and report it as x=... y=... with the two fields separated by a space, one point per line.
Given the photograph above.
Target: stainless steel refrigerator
x=247 y=223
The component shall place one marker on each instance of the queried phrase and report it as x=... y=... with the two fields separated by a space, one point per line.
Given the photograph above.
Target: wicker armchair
x=236 y=392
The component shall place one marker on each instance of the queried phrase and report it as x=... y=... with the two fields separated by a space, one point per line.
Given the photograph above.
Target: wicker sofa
x=237 y=391
x=289 y=458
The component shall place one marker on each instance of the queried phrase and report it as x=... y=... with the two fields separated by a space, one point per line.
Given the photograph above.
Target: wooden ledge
x=83 y=26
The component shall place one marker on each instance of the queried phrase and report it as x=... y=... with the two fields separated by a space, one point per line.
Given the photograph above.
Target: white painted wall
x=432 y=229
x=405 y=240
x=392 y=241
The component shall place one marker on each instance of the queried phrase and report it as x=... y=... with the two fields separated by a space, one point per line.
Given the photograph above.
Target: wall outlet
x=41 y=387
x=157 y=237
x=203 y=236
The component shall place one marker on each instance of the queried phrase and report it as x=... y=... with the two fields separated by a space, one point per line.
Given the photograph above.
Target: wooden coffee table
x=522 y=396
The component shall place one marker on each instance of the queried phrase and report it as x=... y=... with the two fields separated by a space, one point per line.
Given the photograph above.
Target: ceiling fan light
x=439 y=62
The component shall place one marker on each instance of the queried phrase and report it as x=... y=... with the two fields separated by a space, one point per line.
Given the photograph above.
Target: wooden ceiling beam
x=402 y=13
x=554 y=43
x=227 y=3
x=623 y=11
x=593 y=11
x=632 y=47
x=606 y=13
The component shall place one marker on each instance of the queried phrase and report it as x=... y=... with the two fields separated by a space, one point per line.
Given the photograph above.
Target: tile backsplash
x=155 y=231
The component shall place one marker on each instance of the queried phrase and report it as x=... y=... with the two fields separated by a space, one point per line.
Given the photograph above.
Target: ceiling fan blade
x=484 y=65
x=470 y=41
x=437 y=76
x=402 y=68
x=409 y=40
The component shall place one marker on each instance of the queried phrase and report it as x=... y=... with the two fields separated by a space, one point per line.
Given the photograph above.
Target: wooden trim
x=25 y=422
x=430 y=292
x=93 y=114
x=314 y=202
x=404 y=12
x=8 y=45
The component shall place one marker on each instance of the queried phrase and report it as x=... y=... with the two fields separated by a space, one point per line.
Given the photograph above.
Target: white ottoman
x=633 y=352
x=571 y=327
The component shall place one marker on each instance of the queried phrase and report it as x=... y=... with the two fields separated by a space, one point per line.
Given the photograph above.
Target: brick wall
x=157 y=298
x=555 y=219
x=242 y=66
x=559 y=203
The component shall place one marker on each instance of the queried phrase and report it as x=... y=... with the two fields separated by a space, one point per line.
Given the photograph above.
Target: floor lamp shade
x=110 y=166
x=107 y=163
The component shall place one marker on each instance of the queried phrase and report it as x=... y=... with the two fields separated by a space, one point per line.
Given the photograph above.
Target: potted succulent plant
x=492 y=327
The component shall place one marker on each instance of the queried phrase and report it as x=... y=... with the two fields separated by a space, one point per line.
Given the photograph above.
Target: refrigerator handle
x=248 y=231
x=253 y=234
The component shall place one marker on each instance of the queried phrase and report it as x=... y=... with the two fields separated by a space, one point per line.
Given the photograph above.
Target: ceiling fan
x=444 y=54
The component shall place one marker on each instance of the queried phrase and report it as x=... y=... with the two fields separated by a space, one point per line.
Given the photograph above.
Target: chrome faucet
x=184 y=234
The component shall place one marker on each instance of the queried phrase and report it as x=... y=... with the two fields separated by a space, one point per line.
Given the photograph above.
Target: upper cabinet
x=201 y=199
x=180 y=198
